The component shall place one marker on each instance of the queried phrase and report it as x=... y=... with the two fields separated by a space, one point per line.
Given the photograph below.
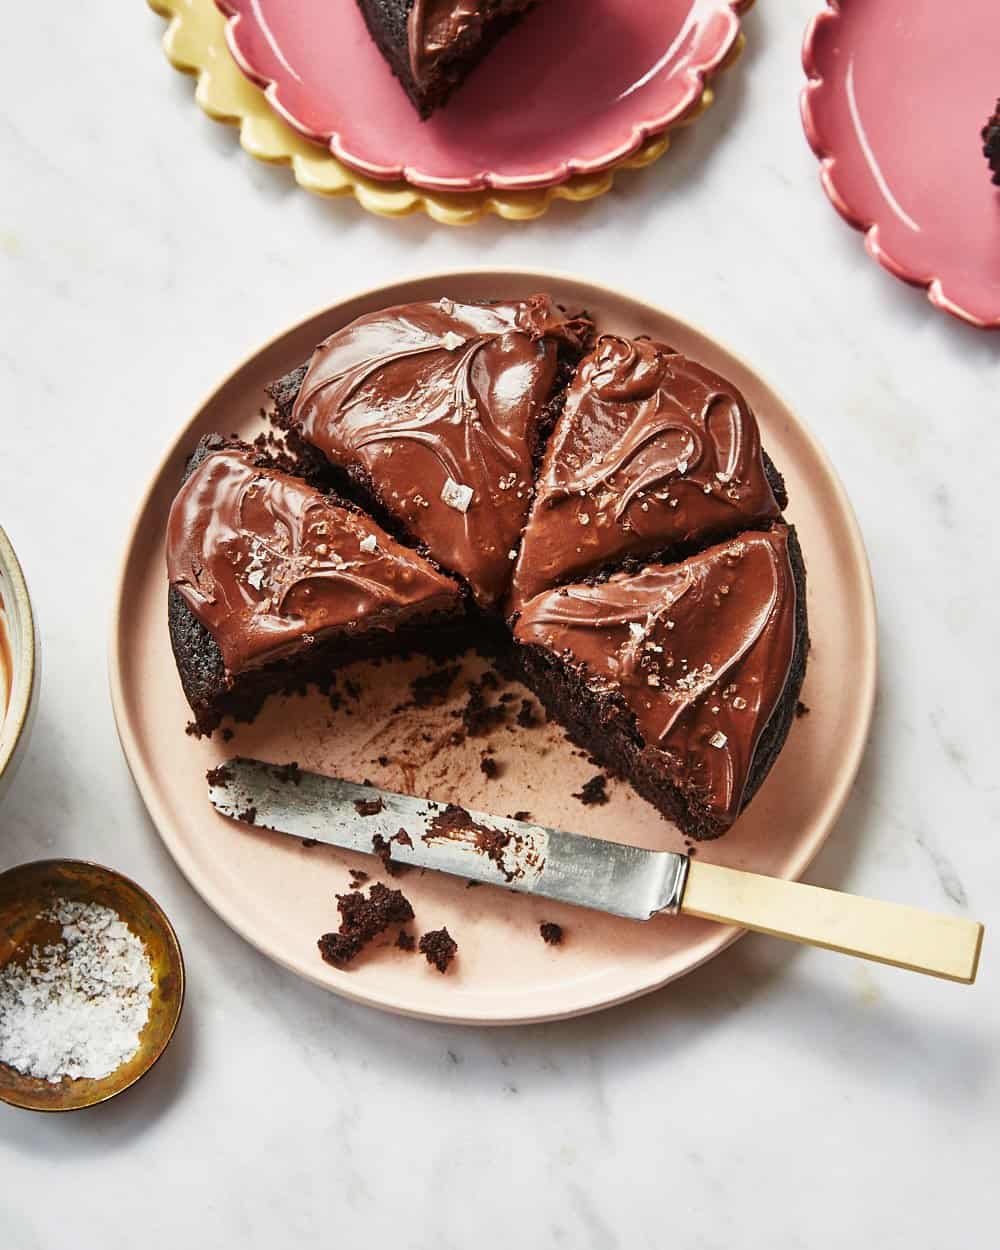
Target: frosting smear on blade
x=268 y=564
x=437 y=405
x=652 y=451
x=699 y=651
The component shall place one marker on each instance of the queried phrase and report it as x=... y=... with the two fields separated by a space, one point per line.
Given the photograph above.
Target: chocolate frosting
x=438 y=404
x=700 y=651
x=437 y=29
x=267 y=563
x=652 y=451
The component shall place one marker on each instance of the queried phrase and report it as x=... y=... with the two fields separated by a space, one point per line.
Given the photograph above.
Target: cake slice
x=653 y=455
x=432 y=45
x=273 y=583
x=434 y=415
x=681 y=678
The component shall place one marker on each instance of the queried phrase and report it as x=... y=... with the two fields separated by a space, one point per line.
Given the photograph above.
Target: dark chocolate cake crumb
x=220 y=776
x=489 y=767
x=432 y=688
x=309 y=843
x=228 y=734
x=289 y=772
x=383 y=849
x=368 y=807
x=362 y=919
x=593 y=792
x=439 y=948
x=248 y=815
x=352 y=689
x=552 y=934
x=801 y=710
x=521 y=814
x=194 y=730
x=470 y=885
x=358 y=876
x=406 y=941
x=991 y=143
x=528 y=716
x=382 y=761
x=479 y=717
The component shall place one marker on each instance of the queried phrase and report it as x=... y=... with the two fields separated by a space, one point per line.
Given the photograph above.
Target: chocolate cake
x=683 y=679
x=273 y=583
x=648 y=590
x=434 y=414
x=991 y=143
x=432 y=45
x=654 y=455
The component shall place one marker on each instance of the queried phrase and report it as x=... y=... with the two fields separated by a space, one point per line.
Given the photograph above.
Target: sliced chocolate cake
x=432 y=45
x=620 y=511
x=654 y=455
x=681 y=678
x=273 y=584
x=435 y=414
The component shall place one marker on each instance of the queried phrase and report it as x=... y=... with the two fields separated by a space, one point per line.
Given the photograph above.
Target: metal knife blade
x=533 y=859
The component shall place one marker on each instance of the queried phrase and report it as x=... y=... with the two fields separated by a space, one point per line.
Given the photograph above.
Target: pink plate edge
x=489 y=179
x=934 y=286
x=851 y=761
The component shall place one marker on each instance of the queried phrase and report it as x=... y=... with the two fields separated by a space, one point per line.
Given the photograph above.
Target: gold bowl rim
x=170 y=935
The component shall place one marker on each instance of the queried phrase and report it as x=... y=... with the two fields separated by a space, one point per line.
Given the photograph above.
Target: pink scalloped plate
x=577 y=86
x=897 y=95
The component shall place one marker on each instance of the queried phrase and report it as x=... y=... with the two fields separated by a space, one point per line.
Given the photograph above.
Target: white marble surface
x=778 y=1098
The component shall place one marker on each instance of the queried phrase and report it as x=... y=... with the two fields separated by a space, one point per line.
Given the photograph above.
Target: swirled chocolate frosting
x=700 y=652
x=440 y=30
x=268 y=564
x=438 y=405
x=652 y=451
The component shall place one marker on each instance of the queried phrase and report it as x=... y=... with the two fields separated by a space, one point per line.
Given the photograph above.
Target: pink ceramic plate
x=898 y=92
x=577 y=86
x=280 y=895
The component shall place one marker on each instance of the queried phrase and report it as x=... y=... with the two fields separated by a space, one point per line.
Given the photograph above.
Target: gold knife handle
x=889 y=933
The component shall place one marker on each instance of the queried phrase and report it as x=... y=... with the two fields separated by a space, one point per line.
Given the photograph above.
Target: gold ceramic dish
x=29 y=889
x=195 y=43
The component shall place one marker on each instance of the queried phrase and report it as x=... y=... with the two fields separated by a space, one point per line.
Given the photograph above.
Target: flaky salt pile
x=76 y=1008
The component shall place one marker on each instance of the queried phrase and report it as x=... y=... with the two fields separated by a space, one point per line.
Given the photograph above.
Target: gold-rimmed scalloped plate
x=28 y=890
x=280 y=895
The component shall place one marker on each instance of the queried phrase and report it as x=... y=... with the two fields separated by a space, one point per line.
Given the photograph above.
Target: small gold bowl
x=28 y=890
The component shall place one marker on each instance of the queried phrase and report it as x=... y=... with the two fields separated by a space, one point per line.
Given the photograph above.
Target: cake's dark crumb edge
x=605 y=727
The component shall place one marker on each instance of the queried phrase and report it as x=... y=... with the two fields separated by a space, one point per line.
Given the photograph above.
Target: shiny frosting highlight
x=438 y=404
x=267 y=563
x=700 y=651
x=436 y=28
x=652 y=451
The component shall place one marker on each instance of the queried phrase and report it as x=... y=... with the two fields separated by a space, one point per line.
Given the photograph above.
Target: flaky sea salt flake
x=456 y=496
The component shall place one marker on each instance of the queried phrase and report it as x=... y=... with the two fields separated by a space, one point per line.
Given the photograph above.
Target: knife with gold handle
x=590 y=872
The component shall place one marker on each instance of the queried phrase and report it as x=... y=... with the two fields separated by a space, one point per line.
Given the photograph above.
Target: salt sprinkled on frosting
x=76 y=1008
x=369 y=543
x=456 y=496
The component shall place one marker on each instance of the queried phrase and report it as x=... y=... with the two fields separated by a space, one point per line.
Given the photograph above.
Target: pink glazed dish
x=898 y=93
x=575 y=88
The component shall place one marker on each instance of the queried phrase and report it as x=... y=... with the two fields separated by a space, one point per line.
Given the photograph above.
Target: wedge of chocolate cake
x=434 y=414
x=653 y=456
x=681 y=678
x=273 y=583
x=432 y=45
